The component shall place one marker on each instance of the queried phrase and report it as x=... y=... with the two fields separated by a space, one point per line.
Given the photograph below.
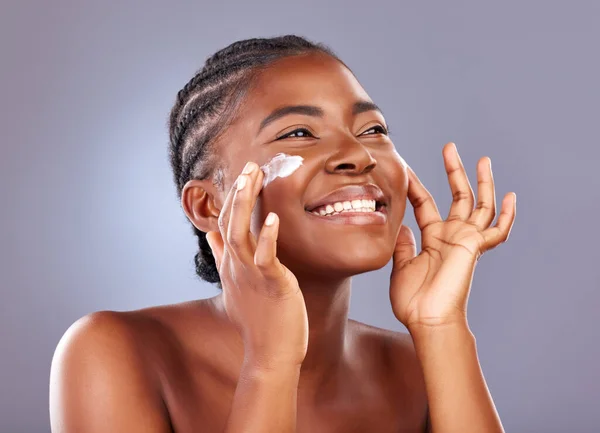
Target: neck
x=327 y=306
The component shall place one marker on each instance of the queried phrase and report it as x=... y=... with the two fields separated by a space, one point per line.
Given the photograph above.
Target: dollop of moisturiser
x=281 y=165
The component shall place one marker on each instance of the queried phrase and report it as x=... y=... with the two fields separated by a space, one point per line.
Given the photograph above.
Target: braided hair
x=205 y=106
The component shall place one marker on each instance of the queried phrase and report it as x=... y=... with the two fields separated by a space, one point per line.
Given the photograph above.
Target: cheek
x=397 y=174
x=283 y=197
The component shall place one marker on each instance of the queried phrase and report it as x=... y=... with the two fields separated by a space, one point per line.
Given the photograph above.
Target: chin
x=337 y=263
x=356 y=265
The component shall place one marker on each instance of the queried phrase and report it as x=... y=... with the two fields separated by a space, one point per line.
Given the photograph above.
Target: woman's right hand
x=261 y=296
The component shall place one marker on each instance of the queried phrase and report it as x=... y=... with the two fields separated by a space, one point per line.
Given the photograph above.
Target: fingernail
x=270 y=219
x=249 y=168
x=241 y=182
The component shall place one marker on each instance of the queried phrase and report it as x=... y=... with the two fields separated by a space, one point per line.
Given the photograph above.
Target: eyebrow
x=311 y=110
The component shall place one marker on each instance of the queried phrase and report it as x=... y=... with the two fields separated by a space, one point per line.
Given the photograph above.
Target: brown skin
x=276 y=351
x=179 y=365
x=321 y=256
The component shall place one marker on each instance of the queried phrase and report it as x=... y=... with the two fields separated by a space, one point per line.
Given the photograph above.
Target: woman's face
x=344 y=147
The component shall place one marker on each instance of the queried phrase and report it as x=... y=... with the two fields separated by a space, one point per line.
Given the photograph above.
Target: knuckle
x=237 y=206
x=461 y=195
x=274 y=277
x=262 y=263
x=234 y=240
x=223 y=269
x=239 y=201
x=487 y=208
x=420 y=201
x=278 y=290
x=221 y=221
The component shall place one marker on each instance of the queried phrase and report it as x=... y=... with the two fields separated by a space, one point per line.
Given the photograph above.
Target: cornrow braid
x=206 y=104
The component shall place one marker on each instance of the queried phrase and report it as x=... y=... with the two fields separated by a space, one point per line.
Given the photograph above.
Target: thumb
x=406 y=247
x=215 y=241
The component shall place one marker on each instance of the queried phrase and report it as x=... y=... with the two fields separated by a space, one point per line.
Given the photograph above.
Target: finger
x=406 y=247
x=500 y=232
x=265 y=256
x=215 y=241
x=426 y=211
x=223 y=220
x=485 y=211
x=239 y=237
x=257 y=188
x=462 y=193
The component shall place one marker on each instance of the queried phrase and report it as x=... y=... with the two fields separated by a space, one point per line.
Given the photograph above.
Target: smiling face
x=313 y=106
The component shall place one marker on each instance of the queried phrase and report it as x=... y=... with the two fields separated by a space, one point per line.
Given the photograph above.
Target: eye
x=300 y=132
x=378 y=130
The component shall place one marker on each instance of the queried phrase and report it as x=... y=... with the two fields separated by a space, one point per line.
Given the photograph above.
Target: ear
x=198 y=203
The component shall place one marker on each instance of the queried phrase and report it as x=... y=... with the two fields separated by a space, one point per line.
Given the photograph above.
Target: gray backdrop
x=90 y=220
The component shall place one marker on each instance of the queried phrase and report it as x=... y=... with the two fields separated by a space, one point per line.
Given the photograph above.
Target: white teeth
x=358 y=205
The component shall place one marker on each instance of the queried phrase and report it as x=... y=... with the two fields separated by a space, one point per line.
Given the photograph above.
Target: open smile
x=351 y=204
x=359 y=216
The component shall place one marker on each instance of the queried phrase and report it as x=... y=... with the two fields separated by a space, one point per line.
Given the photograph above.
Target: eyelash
x=382 y=130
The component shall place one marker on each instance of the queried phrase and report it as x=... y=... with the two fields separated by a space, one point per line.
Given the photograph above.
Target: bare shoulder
x=122 y=362
x=98 y=367
x=166 y=336
x=101 y=336
x=123 y=334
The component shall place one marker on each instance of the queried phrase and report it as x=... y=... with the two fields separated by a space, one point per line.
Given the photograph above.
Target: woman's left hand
x=432 y=289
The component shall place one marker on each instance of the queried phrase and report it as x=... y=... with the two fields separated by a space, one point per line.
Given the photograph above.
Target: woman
x=275 y=351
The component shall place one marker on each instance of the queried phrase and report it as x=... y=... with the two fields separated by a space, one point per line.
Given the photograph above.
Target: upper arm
x=99 y=384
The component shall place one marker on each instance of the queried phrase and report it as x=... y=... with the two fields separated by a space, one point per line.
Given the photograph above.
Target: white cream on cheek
x=281 y=165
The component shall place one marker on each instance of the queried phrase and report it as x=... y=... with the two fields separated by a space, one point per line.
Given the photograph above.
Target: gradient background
x=90 y=219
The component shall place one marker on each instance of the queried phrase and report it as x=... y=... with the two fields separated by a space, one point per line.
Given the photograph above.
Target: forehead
x=311 y=79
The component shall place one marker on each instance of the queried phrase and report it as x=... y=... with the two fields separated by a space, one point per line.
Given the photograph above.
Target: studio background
x=89 y=215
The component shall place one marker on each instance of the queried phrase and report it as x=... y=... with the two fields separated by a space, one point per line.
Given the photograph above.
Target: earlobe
x=198 y=203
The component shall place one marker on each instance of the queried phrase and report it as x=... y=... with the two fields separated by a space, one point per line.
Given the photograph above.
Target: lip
x=368 y=191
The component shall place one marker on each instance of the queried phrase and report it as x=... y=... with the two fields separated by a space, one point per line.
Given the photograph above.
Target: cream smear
x=281 y=165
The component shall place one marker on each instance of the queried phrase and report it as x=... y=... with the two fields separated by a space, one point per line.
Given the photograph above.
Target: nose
x=351 y=158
